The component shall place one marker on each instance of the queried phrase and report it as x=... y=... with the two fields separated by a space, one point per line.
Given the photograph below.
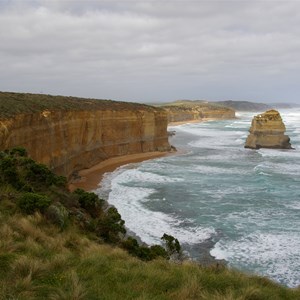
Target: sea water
x=245 y=202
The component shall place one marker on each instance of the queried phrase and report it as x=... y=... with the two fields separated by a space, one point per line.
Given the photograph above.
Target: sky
x=152 y=51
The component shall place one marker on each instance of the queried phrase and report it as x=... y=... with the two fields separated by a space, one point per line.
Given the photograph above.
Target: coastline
x=90 y=179
x=192 y=121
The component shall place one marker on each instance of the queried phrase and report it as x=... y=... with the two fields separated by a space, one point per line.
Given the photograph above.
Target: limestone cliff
x=69 y=134
x=267 y=131
x=181 y=111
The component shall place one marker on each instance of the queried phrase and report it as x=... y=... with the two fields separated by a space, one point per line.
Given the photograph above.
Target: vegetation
x=12 y=104
x=61 y=245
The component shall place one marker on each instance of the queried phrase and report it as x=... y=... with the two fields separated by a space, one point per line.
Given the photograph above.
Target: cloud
x=152 y=50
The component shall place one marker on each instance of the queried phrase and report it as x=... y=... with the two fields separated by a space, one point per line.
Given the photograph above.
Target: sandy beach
x=89 y=179
x=191 y=121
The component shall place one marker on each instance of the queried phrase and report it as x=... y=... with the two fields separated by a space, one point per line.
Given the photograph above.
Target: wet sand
x=89 y=179
x=192 y=121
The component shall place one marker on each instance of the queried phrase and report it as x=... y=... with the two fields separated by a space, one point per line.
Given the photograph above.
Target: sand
x=90 y=179
x=191 y=121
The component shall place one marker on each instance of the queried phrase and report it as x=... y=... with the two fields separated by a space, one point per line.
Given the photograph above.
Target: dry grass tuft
x=26 y=266
x=73 y=289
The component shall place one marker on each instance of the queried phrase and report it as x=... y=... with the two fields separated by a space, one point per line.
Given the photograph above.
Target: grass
x=12 y=104
x=37 y=261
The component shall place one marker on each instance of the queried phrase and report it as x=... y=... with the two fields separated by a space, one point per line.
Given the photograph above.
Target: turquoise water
x=246 y=202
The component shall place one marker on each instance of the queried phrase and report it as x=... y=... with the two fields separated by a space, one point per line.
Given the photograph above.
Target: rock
x=267 y=131
x=181 y=111
x=72 y=138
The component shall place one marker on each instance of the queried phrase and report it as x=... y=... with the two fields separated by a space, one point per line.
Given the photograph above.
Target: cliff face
x=181 y=113
x=267 y=131
x=68 y=141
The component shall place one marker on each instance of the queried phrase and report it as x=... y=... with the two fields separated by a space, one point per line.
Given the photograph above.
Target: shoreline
x=192 y=121
x=90 y=179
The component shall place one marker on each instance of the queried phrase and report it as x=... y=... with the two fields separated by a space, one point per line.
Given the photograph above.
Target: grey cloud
x=152 y=50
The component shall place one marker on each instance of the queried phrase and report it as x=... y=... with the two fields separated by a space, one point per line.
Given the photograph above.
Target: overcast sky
x=152 y=50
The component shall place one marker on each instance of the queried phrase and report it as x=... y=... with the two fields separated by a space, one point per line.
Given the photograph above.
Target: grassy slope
x=12 y=104
x=41 y=260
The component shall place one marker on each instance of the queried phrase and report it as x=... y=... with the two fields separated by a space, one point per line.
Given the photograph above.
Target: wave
x=148 y=225
x=271 y=254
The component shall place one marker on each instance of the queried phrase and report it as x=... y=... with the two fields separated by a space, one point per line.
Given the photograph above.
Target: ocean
x=239 y=204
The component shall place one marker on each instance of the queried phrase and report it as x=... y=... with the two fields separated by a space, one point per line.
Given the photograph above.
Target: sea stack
x=267 y=131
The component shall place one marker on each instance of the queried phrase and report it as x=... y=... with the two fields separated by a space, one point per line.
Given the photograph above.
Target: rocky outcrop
x=267 y=131
x=73 y=138
x=193 y=111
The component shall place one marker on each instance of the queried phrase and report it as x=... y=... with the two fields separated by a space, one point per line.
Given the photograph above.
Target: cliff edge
x=69 y=134
x=187 y=110
x=267 y=131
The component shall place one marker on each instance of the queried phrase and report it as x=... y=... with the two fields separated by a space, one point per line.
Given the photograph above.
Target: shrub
x=110 y=226
x=131 y=245
x=39 y=173
x=172 y=244
x=58 y=215
x=90 y=202
x=31 y=202
x=19 y=151
x=143 y=252
x=157 y=250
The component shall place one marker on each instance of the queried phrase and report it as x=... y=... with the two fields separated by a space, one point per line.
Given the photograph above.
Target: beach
x=89 y=179
x=191 y=121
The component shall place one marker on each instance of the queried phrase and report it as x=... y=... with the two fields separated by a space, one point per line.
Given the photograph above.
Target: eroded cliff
x=267 y=131
x=181 y=111
x=69 y=134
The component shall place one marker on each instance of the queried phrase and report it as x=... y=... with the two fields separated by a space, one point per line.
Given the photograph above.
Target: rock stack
x=267 y=131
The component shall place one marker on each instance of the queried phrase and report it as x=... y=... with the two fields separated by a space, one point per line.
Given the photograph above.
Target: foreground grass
x=38 y=261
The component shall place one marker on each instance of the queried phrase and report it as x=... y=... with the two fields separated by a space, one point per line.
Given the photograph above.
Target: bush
x=31 y=202
x=58 y=215
x=18 y=151
x=143 y=252
x=110 y=226
x=90 y=202
x=40 y=173
x=158 y=251
x=172 y=244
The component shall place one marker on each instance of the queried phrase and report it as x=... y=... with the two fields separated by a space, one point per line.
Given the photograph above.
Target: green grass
x=12 y=104
x=37 y=262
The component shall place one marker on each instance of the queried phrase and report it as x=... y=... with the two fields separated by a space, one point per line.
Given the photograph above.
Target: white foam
x=148 y=225
x=273 y=255
x=279 y=153
x=293 y=205
x=218 y=150
x=269 y=168
x=218 y=170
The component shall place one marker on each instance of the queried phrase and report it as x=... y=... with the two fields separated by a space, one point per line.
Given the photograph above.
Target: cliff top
x=234 y=105
x=270 y=115
x=12 y=104
x=244 y=105
x=194 y=104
